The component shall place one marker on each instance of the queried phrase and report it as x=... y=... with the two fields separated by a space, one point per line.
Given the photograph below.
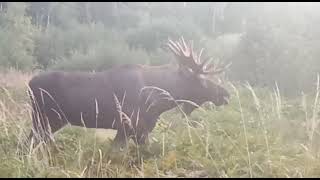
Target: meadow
x=260 y=133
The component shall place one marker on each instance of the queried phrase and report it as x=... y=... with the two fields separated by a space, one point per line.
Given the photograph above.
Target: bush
x=102 y=56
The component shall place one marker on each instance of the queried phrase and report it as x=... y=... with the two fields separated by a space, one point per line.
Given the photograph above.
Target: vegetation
x=259 y=134
x=269 y=129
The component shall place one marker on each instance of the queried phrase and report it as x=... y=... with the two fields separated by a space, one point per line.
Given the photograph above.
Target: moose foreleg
x=119 y=140
x=144 y=129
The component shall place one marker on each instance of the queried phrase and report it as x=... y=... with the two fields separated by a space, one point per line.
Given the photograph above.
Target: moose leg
x=142 y=138
x=146 y=124
x=120 y=143
x=122 y=137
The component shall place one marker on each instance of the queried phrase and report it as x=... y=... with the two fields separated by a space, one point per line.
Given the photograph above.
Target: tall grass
x=259 y=134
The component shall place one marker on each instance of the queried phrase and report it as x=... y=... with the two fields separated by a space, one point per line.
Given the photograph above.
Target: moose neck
x=167 y=79
x=164 y=77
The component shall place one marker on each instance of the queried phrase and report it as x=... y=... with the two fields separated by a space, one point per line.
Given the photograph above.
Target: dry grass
x=259 y=134
x=14 y=79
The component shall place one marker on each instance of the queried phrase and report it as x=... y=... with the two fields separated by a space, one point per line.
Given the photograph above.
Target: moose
x=127 y=98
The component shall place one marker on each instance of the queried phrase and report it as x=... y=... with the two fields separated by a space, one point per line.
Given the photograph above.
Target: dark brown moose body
x=127 y=98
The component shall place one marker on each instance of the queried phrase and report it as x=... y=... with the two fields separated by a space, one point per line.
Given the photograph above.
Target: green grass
x=259 y=134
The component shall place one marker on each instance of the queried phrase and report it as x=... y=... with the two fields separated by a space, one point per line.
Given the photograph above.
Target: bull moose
x=127 y=98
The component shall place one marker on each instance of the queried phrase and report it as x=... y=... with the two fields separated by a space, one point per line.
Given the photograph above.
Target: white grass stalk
x=258 y=106
x=244 y=129
x=314 y=120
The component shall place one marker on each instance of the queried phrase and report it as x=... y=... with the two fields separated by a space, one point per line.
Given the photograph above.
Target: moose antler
x=187 y=57
x=216 y=68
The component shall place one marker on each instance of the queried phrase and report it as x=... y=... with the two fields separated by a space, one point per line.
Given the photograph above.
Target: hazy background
x=266 y=42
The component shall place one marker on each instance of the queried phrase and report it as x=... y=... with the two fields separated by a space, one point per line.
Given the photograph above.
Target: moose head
x=199 y=86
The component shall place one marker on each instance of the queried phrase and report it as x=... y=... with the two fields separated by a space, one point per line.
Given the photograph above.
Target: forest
x=269 y=129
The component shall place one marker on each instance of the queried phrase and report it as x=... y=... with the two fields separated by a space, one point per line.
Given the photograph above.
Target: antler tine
x=219 y=70
x=182 y=52
x=183 y=46
x=194 y=55
x=214 y=68
x=184 y=43
x=227 y=66
x=199 y=56
x=173 y=43
x=189 y=50
x=173 y=46
x=206 y=63
x=174 y=50
x=188 y=57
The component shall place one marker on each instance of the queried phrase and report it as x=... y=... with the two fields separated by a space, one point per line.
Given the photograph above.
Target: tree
x=16 y=37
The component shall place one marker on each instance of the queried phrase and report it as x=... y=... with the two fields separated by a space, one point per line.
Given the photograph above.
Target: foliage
x=16 y=37
x=259 y=134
